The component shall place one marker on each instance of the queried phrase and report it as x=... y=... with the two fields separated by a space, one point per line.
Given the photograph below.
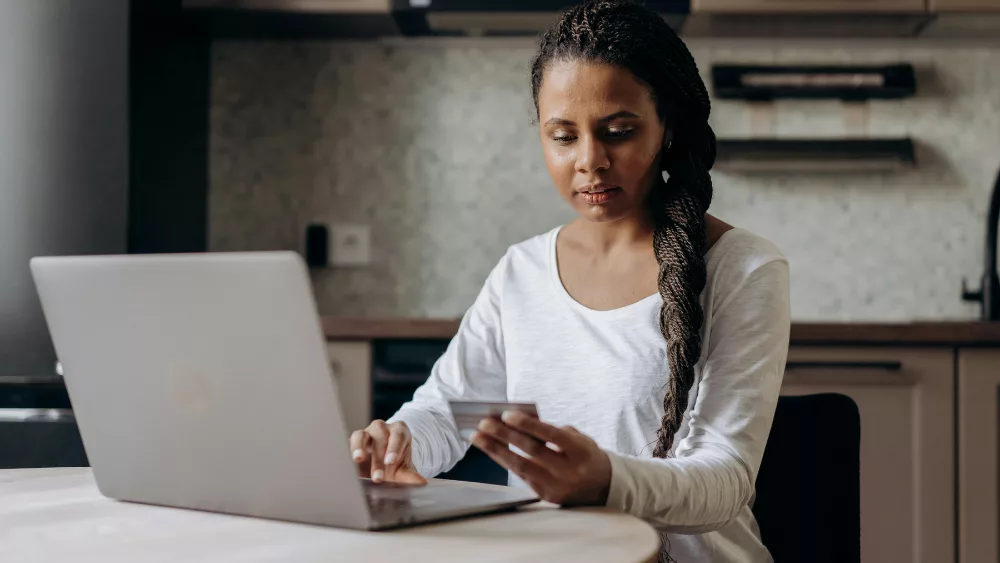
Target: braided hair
x=627 y=35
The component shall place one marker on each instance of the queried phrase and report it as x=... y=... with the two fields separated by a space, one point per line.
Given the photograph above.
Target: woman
x=651 y=335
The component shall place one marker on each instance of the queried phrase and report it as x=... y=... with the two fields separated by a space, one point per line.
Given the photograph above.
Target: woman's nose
x=592 y=156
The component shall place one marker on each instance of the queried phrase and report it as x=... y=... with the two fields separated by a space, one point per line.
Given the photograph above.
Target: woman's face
x=601 y=137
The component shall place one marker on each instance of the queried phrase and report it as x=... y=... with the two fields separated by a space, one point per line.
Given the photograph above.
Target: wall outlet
x=351 y=245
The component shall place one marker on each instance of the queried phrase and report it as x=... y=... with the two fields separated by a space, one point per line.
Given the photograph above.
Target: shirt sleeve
x=711 y=476
x=472 y=368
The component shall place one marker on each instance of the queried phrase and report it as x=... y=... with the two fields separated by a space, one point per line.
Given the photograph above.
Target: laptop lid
x=202 y=381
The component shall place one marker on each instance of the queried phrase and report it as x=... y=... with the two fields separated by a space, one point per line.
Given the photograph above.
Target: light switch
x=351 y=245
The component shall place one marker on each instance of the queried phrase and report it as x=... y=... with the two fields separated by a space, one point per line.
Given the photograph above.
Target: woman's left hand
x=562 y=465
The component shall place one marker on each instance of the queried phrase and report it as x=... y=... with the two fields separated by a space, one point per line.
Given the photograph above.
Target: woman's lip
x=597 y=188
x=597 y=198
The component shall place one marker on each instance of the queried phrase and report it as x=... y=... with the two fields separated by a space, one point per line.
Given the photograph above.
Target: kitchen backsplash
x=432 y=144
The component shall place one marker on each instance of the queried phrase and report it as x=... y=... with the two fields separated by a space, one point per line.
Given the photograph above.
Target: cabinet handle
x=847 y=365
x=37 y=415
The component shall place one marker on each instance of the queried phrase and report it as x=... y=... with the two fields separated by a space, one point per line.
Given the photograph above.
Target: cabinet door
x=352 y=371
x=905 y=398
x=978 y=469
x=305 y=6
x=965 y=6
x=808 y=6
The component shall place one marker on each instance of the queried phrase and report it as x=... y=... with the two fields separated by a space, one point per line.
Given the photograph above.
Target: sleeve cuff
x=418 y=443
x=621 y=493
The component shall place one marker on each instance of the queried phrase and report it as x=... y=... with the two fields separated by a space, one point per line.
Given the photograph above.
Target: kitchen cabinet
x=290 y=19
x=810 y=6
x=964 y=19
x=37 y=427
x=978 y=452
x=905 y=397
x=371 y=6
x=964 y=5
x=351 y=364
x=318 y=6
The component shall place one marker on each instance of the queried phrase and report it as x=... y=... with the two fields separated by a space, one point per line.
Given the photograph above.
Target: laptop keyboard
x=394 y=497
x=395 y=503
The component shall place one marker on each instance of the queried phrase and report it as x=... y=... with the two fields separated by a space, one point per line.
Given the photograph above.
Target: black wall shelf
x=858 y=155
x=852 y=83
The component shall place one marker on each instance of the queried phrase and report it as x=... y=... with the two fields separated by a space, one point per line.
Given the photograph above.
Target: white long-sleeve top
x=605 y=372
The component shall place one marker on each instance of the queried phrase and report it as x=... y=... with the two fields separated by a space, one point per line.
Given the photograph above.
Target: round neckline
x=620 y=311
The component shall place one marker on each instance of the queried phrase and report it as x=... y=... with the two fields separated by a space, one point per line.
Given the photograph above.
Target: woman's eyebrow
x=605 y=119
x=618 y=115
x=559 y=121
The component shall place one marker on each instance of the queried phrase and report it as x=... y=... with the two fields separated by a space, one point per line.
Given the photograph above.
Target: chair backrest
x=808 y=491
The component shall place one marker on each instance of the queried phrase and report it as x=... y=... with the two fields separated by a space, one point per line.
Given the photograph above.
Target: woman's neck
x=607 y=236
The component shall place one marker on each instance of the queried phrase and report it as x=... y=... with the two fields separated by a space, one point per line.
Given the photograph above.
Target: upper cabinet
x=297 y=19
x=314 y=6
x=807 y=6
x=772 y=19
x=841 y=19
x=967 y=19
x=965 y=6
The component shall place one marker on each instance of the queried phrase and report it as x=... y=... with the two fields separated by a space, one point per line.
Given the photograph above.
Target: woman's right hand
x=384 y=452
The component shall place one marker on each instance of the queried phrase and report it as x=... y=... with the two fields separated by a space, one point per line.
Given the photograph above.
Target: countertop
x=59 y=515
x=944 y=333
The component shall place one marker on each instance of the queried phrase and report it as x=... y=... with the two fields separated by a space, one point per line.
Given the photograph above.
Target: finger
x=409 y=476
x=533 y=447
x=360 y=441
x=521 y=466
x=398 y=439
x=531 y=426
x=380 y=436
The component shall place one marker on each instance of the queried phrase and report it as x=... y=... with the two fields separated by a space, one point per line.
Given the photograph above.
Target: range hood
x=501 y=17
x=845 y=156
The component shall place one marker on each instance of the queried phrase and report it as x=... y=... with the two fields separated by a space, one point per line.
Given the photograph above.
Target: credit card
x=468 y=414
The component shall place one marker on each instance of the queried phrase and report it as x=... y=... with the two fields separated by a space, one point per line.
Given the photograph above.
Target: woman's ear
x=668 y=138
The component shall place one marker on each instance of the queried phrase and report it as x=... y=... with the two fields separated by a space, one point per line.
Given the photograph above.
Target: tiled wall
x=432 y=144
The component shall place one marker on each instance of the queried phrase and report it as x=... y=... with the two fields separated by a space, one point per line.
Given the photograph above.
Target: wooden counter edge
x=904 y=334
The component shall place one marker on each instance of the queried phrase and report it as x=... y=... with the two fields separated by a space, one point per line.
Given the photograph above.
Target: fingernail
x=357 y=455
x=377 y=475
x=390 y=459
x=484 y=424
x=507 y=416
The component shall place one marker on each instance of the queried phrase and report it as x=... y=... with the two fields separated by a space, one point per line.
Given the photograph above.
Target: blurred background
x=393 y=143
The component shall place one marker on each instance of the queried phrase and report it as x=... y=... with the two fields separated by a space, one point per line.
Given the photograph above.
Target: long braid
x=625 y=34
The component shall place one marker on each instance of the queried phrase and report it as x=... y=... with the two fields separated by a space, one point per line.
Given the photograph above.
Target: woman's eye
x=563 y=138
x=618 y=133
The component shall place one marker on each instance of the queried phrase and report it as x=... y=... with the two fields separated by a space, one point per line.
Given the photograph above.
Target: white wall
x=433 y=145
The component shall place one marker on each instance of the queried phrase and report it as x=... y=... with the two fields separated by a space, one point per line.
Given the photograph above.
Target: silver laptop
x=202 y=381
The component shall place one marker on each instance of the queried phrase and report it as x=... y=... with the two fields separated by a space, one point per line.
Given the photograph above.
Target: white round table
x=58 y=516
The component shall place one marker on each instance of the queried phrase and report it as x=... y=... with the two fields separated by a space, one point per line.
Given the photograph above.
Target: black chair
x=808 y=489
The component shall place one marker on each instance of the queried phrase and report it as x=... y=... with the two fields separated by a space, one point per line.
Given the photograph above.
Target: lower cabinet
x=978 y=451
x=906 y=401
x=351 y=365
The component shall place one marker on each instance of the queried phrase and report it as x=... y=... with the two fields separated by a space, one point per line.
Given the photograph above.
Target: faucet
x=989 y=293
